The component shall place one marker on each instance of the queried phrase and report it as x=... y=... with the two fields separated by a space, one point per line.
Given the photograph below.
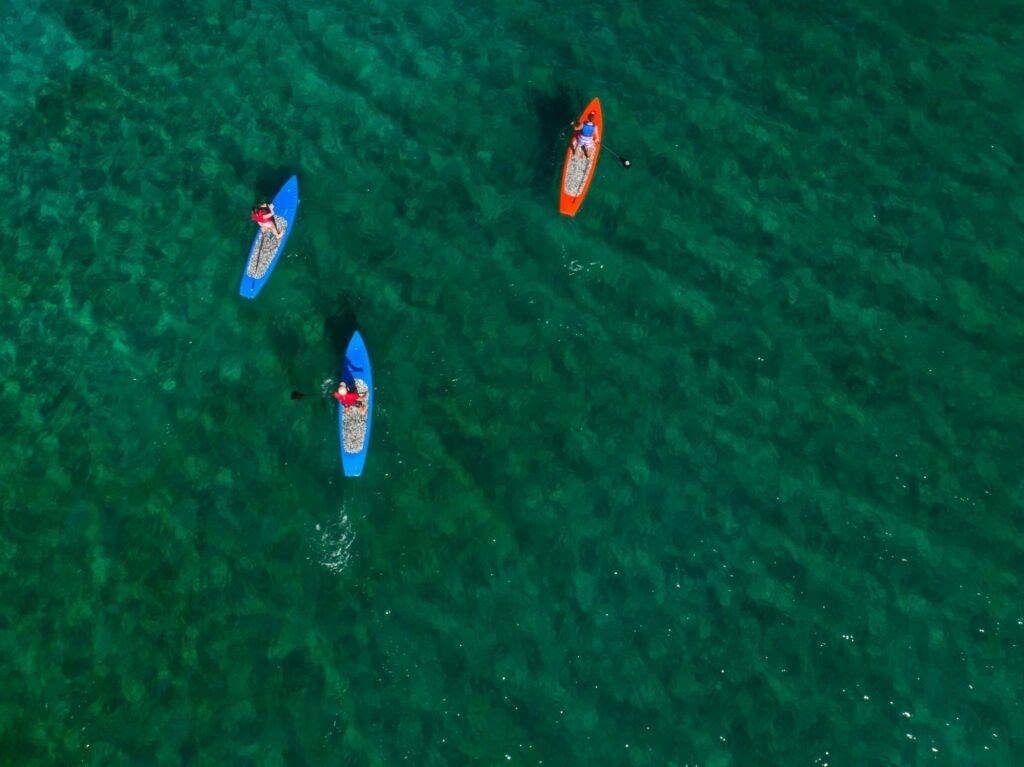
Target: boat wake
x=334 y=543
x=575 y=267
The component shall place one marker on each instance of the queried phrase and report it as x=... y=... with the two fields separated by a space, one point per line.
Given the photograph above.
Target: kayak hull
x=356 y=367
x=573 y=189
x=286 y=202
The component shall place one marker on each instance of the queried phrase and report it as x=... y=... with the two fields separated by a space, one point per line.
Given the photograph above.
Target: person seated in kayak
x=264 y=216
x=587 y=136
x=349 y=398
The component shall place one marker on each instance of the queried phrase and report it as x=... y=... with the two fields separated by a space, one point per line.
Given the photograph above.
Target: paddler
x=349 y=398
x=587 y=135
x=263 y=215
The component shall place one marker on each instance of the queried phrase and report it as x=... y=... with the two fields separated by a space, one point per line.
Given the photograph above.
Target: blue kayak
x=354 y=421
x=267 y=249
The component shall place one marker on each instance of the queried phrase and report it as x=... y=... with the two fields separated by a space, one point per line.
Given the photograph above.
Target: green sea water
x=726 y=470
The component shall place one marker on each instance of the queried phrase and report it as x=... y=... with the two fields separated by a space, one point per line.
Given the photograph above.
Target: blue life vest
x=588 y=129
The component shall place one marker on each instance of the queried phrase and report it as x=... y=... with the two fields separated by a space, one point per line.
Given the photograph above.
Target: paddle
x=300 y=395
x=622 y=160
x=323 y=399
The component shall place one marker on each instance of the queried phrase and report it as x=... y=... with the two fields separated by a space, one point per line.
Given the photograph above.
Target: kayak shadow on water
x=338 y=328
x=272 y=179
x=554 y=111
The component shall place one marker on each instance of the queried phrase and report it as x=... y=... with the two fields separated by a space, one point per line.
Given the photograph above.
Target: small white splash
x=334 y=543
x=575 y=267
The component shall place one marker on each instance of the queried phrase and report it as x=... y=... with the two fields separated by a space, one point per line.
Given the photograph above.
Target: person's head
x=342 y=388
x=591 y=116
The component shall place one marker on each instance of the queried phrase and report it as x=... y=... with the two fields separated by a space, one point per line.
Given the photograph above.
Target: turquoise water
x=723 y=471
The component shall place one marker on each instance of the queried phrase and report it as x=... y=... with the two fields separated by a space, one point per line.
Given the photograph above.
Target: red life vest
x=347 y=399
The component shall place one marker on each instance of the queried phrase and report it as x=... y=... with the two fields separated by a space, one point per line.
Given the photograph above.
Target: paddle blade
x=297 y=395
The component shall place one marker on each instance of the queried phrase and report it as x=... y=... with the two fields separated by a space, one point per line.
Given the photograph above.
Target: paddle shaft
x=619 y=157
x=300 y=395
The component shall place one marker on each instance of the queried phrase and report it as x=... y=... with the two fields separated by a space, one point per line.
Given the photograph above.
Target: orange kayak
x=579 y=170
